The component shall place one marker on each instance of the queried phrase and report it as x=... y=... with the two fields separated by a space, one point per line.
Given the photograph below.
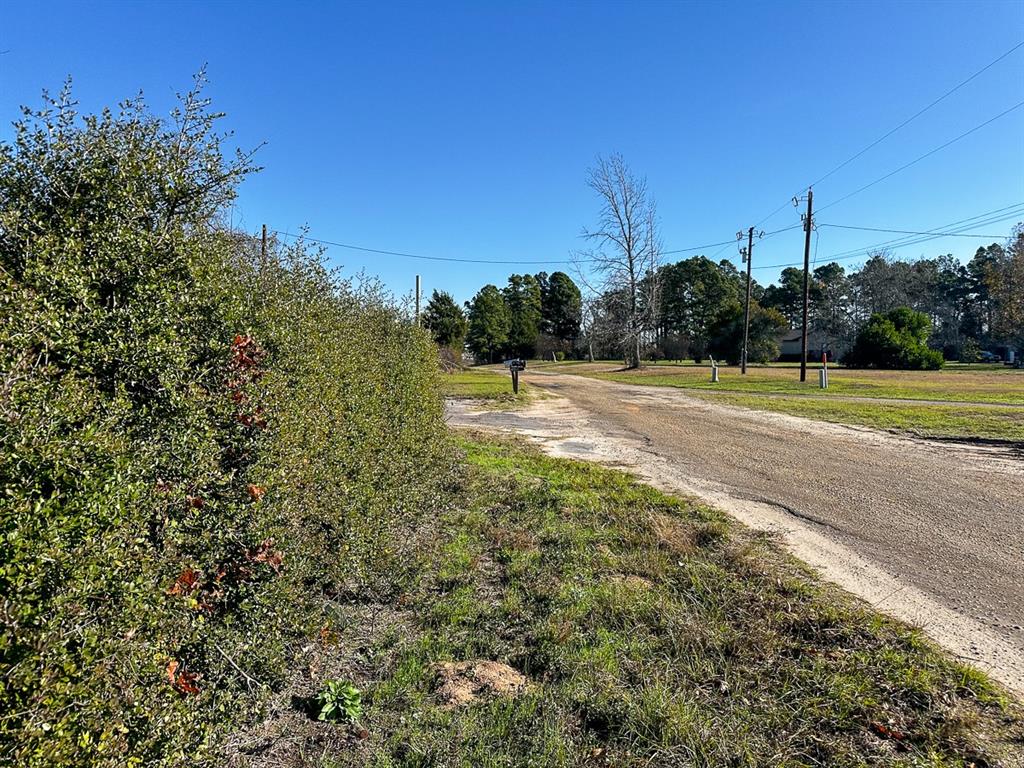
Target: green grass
x=481 y=384
x=974 y=401
x=987 y=385
x=924 y=420
x=654 y=631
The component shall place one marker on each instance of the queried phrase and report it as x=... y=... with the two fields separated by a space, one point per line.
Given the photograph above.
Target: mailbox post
x=514 y=367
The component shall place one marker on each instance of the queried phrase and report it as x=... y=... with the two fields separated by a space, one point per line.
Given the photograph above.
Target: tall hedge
x=197 y=442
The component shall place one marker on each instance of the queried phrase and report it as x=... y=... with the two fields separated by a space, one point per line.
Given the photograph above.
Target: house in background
x=817 y=344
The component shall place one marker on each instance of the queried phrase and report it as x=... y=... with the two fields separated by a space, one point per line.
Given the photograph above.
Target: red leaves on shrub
x=252 y=420
x=256 y=492
x=265 y=553
x=245 y=352
x=246 y=356
x=183 y=682
x=186 y=583
x=196 y=502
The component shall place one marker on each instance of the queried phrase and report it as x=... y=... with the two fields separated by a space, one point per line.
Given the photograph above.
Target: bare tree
x=624 y=259
x=589 y=317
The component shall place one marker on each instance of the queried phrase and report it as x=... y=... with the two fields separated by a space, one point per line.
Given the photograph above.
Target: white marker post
x=714 y=371
x=823 y=373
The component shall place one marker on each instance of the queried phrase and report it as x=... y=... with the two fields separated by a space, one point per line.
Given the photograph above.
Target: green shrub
x=339 y=700
x=196 y=441
x=897 y=339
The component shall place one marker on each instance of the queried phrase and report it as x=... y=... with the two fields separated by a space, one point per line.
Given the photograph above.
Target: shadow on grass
x=306 y=705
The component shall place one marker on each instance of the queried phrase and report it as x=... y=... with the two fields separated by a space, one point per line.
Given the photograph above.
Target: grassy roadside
x=490 y=384
x=1005 y=386
x=652 y=632
x=981 y=402
x=922 y=420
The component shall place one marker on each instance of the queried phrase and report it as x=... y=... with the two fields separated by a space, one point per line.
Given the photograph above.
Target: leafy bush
x=197 y=441
x=897 y=339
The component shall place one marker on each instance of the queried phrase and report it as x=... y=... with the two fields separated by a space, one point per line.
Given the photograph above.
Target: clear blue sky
x=465 y=130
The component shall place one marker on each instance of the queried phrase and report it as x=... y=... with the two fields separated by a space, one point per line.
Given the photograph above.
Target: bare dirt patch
x=459 y=684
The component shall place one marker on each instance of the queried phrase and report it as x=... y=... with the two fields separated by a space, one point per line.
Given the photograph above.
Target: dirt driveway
x=930 y=532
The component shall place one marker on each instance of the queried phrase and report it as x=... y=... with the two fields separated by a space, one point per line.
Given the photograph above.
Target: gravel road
x=930 y=532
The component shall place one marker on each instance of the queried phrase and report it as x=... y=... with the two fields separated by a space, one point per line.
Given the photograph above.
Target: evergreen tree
x=445 y=320
x=787 y=296
x=561 y=306
x=523 y=298
x=695 y=295
x=489 y=323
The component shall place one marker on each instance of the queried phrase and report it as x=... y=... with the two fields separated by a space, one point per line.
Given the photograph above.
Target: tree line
x=697 y=309
x=638 y=308
x=531 y=316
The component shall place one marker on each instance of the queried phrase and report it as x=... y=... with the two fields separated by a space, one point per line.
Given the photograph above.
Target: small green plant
x=340 y=700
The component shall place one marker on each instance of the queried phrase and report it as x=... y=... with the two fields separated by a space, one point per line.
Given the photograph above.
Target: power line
x=903 y=242
x=784 y=229
x=896 y=244
x=917 y=114
x=971 y=222
x=415 y=255
x=963 y=135
x=910 y=119
x=424 y=257
x=929 y=235
x=907 y=241
x=992 y=217
x=784 y=205
x=908 y=231
x=1009 y=210
x=726 y=243
x=699 y=247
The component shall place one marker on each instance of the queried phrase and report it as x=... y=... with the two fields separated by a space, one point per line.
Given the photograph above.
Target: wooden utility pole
x=808 y=225
x=746 y=309
x=417 y=299
x=263 y=246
